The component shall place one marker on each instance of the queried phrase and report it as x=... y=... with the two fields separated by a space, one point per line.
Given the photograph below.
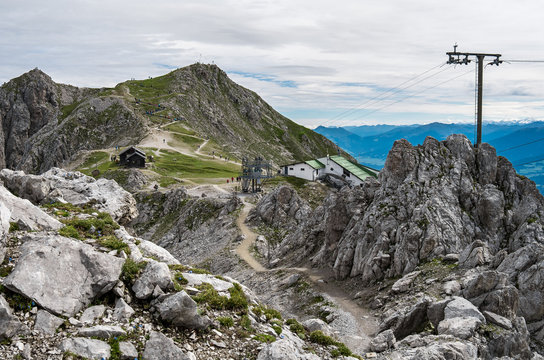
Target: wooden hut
x=132 y=157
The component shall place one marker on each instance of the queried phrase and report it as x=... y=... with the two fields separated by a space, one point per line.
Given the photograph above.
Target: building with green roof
x=354 y=173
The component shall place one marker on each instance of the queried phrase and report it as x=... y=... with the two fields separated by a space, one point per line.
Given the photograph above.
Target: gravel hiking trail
x=354 y=324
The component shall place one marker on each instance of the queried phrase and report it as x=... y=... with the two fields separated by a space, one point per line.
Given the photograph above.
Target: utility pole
x=463 y=58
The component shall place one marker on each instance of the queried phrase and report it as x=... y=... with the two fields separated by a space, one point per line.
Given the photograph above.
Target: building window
x=346 y=173
x=302 y=169
x=332 y=169
x=291 y=168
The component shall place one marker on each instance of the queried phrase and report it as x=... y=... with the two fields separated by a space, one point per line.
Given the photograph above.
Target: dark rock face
x=45 y=123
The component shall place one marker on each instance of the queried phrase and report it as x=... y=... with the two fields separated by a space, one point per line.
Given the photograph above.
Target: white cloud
x=322 y=47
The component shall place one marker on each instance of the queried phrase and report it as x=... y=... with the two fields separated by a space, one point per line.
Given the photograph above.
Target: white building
x=309 y=170
x=355 y=174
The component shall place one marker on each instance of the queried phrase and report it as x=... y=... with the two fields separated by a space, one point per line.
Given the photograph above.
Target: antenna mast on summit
x=464 y=58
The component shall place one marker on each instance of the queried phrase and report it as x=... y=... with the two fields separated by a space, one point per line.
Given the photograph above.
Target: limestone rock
x=435 y=311
x=180 y=310
x=461 y=327
x=197 y=279
x=160 y=347
x=462 y=308
x=92 y=313
x=284 y=350
x=128 y=351
x=75 y=188
x=404 y=283
x=498 y=320
x=82 y=274
x=28 y=216
x=47 y=323
x=9 y=324
x=102 y=331
x=317 y=324
x=407 y=319
x=152 y=250
x=383 y=341
x=123 y=311
x=155 y=274
x=87 y=348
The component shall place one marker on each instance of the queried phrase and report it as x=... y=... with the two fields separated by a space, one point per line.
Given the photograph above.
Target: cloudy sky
x=318 y=62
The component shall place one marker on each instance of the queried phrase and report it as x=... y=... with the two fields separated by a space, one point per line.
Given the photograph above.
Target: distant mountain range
x=520 y=142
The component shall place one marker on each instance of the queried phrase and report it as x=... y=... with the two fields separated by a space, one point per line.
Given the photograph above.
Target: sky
x=331 y=63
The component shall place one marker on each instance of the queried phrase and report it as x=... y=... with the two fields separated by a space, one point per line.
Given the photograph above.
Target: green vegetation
x=174 y=164
x=69 y=231
x=166 y=181
x=296 y=327
x=341 y=349
x=112 y=242
x=225 y=321
x=17 y=301
x=179 y=280
x=192 y=141
x=101 y=225
x=245 y=323
x=5 y=270
x=13 y=226
x=184 y=268
x=268 y=312
x=208 y=295
x=265 y=338
x=179 y=128
x=131 y=270
x=68 y=109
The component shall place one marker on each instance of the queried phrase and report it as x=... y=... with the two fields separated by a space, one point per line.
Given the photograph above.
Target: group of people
x=238 y=179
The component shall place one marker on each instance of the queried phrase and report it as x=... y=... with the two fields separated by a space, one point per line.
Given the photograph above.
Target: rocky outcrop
x=86 y=348
x=45 y=123
x=180 y=310
x=191 y=229
x=53 y=265
x=430 y=200
x=160 y=347
x=25 y=214
x=58 y=185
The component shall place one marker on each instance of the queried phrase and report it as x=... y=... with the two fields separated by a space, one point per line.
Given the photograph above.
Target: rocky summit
x=441 y=257
x=46 y=124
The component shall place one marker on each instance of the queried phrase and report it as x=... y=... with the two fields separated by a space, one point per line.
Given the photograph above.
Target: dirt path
x=159 y=139
x=354 y=325
x=244 y=249
x=201 y=146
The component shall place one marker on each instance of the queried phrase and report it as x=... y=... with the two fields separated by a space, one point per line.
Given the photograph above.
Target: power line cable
x=523 y=61
x=521 y=145
x=399 y=90
x=355 y=108
x=529 y=162
x=417 y=93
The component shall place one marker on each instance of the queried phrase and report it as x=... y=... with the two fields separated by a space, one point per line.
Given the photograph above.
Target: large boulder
x=155 y=274
x=160 y=347
x=27 y=215
x=284 y=349
x=75 y=188
x=180 y=310
x=86 y=348
x=62 y=275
